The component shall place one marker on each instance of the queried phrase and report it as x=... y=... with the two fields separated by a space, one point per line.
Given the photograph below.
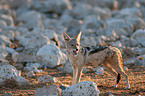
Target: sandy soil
x=104 y=82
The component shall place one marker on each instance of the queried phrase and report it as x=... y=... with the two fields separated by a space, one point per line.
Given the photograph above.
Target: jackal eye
x=72 y=44
x=77 y=44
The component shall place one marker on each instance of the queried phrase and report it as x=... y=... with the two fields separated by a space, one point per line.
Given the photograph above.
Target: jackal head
x=72 y=44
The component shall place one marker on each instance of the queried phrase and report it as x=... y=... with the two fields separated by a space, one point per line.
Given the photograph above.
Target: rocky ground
x=32 y=50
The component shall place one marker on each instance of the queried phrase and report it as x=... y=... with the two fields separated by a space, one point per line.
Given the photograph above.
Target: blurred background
x=101 y=21
x=30 y=29
x=34 y=23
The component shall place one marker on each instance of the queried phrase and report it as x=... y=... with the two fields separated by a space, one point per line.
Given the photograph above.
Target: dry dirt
x=104 y=82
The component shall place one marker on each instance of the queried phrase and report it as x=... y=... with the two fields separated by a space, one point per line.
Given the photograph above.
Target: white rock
x=92 y=22
x=19 y=72
x=23 y=57
x=103 y=13
x=20 y=32
x=58 y=6
x=8 y=31
x=8 y=19
x=47 y=79
x=143 y=60
x=130 y=61
x=82 y=10
x=88 y=41
x=50 y=23
x=124 y=30
x=140 y=61
x=34 y=40
x=51 y=56
x=65 y=19
x=114 y=22
x=125 y=68
x=51 y=34
x=111 y=33
x=109 y=94
x=5 y=40
x=59 y=29
x=7 y=94
x=125 y=4
x=117 y=44
x=55 y=6
x=120 y=26
x=16 y=3
x=125 y=41
x=18 y=66
x=31 y=19
x=33 y=67
x=28 y=69
x=38 y=71
x=136 y=50
x=102 y=37
x=111 y=4
x=137 y=23
x=67 y=68
x=19 y=49
x=142 y=52
x=30 y=74
x=99 y=41
x=131 y=12
x=69 y=22
x=3 y=52
x=51 y=90
x=37 y=65
x=85 y=88
x=3 y=23
x=59 y=68
x=143 y=43
x=37 y=4
x=10 y=50
x=22 y=9
x=139 y=35
x=5 y=10
x=99 y=70
x=8 y=72
x=84 y=70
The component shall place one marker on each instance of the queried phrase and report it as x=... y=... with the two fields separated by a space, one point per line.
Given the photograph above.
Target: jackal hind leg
x=116 y=63
x=122 y=72
x=111 y=71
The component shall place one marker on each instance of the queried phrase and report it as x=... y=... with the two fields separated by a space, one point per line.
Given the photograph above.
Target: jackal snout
x=75 y=51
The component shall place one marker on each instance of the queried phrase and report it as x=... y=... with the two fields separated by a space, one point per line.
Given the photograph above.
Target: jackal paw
x=114 y=86
x=128 y=87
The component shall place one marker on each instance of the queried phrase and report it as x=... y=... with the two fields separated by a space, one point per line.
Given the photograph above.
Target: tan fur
x=111 y=58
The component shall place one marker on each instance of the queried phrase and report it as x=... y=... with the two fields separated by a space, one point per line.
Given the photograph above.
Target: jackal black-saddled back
x=96 y=49
x=92 y=49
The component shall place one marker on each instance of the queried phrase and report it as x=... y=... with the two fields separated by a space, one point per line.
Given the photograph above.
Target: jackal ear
x=66 y=37
x=78 y=36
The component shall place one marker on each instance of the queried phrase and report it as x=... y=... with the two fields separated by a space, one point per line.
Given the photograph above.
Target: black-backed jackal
x=110 y=57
